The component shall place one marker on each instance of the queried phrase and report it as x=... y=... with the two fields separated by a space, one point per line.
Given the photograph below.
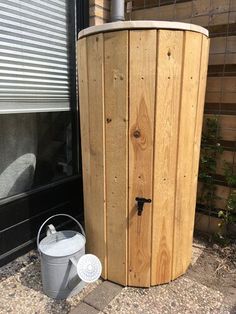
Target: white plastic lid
x=89 y=268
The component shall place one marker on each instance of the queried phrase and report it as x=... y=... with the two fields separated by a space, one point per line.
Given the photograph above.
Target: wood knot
x=109 y=120
x=168 y=53
x=137 y=134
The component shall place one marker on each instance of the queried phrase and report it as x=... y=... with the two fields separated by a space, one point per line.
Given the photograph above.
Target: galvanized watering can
x=65 y=268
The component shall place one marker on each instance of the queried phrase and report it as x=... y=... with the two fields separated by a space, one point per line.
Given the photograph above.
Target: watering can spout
x=89 y=267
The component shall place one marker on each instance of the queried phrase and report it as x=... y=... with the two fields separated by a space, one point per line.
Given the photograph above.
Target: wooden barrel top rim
x=131 y=25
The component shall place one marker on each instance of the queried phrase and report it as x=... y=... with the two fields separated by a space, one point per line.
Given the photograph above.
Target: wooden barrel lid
x=115 y=26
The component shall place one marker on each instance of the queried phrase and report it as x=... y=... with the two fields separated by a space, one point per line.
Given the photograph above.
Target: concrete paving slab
x=84 y=308
x=101 y=297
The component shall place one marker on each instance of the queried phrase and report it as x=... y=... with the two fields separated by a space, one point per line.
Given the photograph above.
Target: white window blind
x=34 y=56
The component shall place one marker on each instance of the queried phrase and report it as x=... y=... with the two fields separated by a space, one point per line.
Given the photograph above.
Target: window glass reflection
x=35 y=149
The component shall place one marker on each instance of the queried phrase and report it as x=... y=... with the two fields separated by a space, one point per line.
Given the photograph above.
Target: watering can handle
x=40 y=229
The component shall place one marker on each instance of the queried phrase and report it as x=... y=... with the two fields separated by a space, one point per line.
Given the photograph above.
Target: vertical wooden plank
x=142 y=74
x=197 y=134
x=95 y=215
x=116 y=116
x=184 y=215
x=169 y=75
x=84 y=116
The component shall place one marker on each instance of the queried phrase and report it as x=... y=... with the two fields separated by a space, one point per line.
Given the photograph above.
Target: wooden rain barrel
x=141 y=88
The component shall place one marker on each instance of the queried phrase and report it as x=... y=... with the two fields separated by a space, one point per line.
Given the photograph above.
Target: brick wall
x=99 y=12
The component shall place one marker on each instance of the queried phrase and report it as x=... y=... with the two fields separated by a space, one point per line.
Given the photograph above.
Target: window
x=35 y=58
x=37 y=93
x=36 y=149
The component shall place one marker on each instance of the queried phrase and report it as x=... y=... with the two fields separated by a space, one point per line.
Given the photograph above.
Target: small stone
x=33 y=258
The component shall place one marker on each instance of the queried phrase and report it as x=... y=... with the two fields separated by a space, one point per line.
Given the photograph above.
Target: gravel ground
x=21 y=289
x=181 y=296
x=201 y=290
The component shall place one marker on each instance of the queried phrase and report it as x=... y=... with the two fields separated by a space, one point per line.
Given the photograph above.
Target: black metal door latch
x=140 y=204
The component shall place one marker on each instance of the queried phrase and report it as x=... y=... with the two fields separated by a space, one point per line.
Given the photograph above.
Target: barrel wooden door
x=141 y=107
